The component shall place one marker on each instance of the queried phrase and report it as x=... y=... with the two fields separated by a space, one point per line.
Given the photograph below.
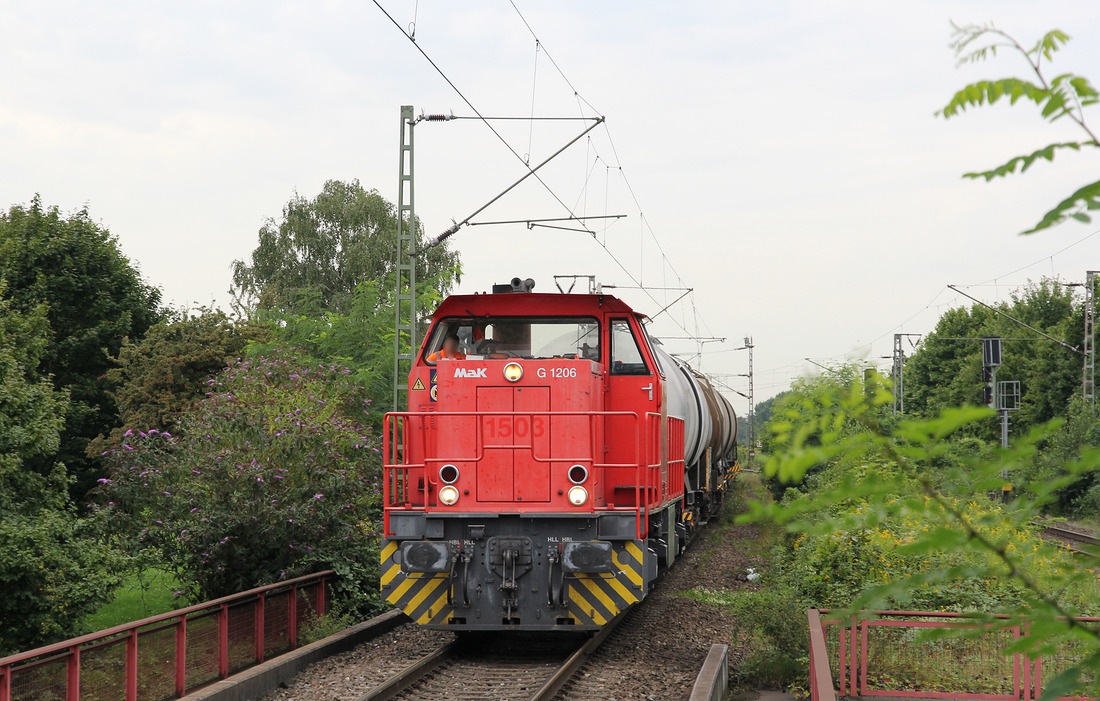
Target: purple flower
x=127 y=446
x=129 y=432
x=318 y=496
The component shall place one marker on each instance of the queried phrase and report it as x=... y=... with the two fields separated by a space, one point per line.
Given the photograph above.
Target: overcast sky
x=784 y=155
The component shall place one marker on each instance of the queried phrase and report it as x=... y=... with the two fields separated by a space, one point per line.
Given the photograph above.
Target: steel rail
x=411 y=674
x=1070 y=538
x=425 y=666
x=575 y=661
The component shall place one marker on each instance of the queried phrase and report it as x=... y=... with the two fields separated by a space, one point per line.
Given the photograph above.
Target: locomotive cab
x=537 y=480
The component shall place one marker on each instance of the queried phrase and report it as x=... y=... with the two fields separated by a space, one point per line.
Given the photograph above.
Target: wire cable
x=471 y=106
x=645 y=222
x=531 y=171
x=1041 y=260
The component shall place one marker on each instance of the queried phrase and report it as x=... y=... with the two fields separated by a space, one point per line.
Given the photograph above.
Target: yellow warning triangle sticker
x=418 y=384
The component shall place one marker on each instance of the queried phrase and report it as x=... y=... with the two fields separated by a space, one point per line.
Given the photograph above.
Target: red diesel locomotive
x=549 y=468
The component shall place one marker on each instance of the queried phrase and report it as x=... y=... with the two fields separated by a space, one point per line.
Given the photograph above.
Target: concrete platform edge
x=262 y=679
x=712 y=684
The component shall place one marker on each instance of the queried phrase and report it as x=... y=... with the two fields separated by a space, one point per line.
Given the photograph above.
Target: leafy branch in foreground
x=894 y=508
x=1066 y=95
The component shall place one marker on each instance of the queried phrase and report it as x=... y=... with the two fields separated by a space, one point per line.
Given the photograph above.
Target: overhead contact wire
x=471 y=106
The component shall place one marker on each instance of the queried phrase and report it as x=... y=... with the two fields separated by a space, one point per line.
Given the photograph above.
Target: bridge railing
x=169 y=655
x=884 y=654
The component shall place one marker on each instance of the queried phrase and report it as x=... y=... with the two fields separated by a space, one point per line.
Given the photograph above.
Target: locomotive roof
x=531 y=304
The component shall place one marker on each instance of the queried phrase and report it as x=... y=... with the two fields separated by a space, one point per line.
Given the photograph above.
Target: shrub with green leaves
x=896 y=516
x=273 y=476
x=54 y=570
x=156 y=378
x=772 y=625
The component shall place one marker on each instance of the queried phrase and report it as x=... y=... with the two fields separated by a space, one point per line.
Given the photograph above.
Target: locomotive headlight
x=578 y=495
x=578 y=474
x=448 y=474
x=513 y=371
x=449 y=495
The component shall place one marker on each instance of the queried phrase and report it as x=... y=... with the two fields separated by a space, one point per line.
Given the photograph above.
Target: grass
x=145 y=594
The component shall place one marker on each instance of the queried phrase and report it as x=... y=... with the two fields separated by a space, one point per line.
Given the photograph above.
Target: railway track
x=493 y=668
x=1072 y=540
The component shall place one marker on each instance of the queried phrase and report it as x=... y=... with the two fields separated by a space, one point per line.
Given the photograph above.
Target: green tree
x=312 y=260
x=1081 y=430
x=95 y=298
x=360 y=338
x=32 y=414
x=764 y=409
x=1066 y=95
x=162 y=374
x=53 y=568
x=946 y=371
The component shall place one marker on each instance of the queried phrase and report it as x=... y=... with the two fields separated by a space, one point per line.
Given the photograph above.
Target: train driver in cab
x=449 y=351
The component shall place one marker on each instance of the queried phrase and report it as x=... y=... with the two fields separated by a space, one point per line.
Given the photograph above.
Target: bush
x=832 y=568
x=895 y=515
x=772 y=623
x=53 y=572
x=157 y=378
x=273 y=476
x=1081 y=428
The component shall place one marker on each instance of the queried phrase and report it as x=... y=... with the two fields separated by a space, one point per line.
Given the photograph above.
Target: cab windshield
x=517 y=337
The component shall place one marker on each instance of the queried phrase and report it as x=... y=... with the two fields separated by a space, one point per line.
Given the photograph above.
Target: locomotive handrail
x=393 y=462
x=387 y=427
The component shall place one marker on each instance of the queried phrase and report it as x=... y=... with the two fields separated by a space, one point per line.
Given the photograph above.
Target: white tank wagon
x=710 y=432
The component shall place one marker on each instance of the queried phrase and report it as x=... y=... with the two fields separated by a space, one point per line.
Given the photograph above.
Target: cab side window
x=626 y=357
x=442 y=346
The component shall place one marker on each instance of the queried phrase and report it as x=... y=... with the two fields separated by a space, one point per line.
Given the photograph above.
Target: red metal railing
x=883 y=656
x=821 y=678
x=166 y=656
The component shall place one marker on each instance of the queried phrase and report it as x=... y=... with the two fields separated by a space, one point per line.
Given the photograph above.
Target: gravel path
x=655 y=653
x=349 y=675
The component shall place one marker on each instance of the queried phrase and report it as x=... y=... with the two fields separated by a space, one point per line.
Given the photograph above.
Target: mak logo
x=470 y=372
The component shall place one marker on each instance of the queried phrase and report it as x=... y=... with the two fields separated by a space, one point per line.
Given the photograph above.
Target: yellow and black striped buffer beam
x=422 y=597
x=594 y=599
